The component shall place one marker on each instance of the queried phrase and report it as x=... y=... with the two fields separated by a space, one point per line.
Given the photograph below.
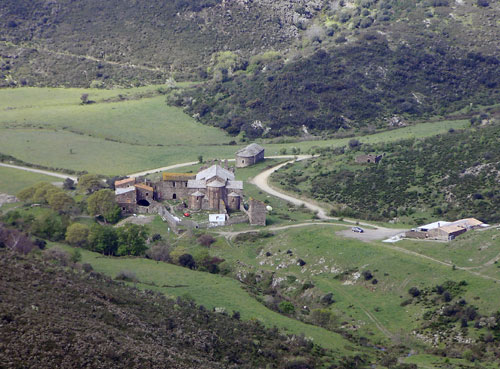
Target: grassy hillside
x=52 y=317
x=127 y=130
x=450 y=176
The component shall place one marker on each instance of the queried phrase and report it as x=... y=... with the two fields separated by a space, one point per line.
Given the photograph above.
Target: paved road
x=46 y=172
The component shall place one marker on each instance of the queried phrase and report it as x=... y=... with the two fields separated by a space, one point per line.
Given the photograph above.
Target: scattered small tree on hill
x=85 y=99
x=69 y=184
x=206 y=240
x=61 y=202
x=103 y=240
x=77 y=234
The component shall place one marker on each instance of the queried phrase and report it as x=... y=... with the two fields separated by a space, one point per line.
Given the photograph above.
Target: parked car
x=357 y=229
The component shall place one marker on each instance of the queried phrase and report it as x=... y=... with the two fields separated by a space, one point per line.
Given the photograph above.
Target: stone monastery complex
x=214 y=189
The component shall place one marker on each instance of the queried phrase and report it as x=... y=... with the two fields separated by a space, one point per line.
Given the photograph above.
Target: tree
x=132 y=240
x=103 y=239
x=414 y=291
x=89 y=183
x=61 y=202
x=103 y=203
x=69 y=184
x=77 y=234
x=187 y=260
x=49 y=225
x=286 y=307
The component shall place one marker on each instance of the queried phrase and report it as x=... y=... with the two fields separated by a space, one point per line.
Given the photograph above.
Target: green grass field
x=396 y=272
x=49 y=126
x=13 y=180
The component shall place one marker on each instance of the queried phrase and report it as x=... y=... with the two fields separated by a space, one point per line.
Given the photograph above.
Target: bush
x=206 y=240
x=367 y=275
x=187 y=260
x=87 y=268
x=414 y=291
x=159 y=253
x=58 y=255
x=286 y=307
x=126 y=275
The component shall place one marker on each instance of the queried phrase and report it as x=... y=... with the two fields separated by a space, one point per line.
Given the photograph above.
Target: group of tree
x=48 y=194
x=127 y=240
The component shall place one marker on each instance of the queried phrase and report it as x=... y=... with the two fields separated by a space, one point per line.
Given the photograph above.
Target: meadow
x=328 y=255
x=13 y=180
x=128 y=130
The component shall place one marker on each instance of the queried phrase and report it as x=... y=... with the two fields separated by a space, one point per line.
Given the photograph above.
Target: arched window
x=174 y=196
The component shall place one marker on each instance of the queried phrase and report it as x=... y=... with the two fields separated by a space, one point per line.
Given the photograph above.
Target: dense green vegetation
x=453 y=175
x=360 y=66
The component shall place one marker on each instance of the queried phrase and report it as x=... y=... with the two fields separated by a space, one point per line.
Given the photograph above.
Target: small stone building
x=447 y=233
x=144 y=194
x=249 y=155
x=173 y=186
x=257 y=211
x=369 y=158
x=126 y=198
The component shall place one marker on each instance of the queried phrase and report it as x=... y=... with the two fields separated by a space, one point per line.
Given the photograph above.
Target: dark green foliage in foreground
x=73 y=319
x=350 y=87
x=453 y=175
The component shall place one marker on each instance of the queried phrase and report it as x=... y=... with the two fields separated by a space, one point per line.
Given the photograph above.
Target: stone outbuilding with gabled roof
x=249 y=155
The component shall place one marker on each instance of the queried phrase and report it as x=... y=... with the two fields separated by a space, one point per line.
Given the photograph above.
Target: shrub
x=206 y=240
x=367 y=275
x=159 y=253
x=87 y=268
x=187 y=260
x=286 y=307
x=58 y=255
x=414 y=291
x=126 y=275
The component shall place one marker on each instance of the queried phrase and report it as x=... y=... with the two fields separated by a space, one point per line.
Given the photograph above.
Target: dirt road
x=377 y=233
x=33 y=170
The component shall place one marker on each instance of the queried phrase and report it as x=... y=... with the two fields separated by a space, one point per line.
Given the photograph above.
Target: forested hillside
x=450 y=176
x=55 y=318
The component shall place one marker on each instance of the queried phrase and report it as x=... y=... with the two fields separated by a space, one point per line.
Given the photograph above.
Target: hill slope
x=55 y=318
x=135 y=41
x=361 y=65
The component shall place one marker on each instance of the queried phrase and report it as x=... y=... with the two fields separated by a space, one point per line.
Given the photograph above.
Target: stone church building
x=249 y=155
